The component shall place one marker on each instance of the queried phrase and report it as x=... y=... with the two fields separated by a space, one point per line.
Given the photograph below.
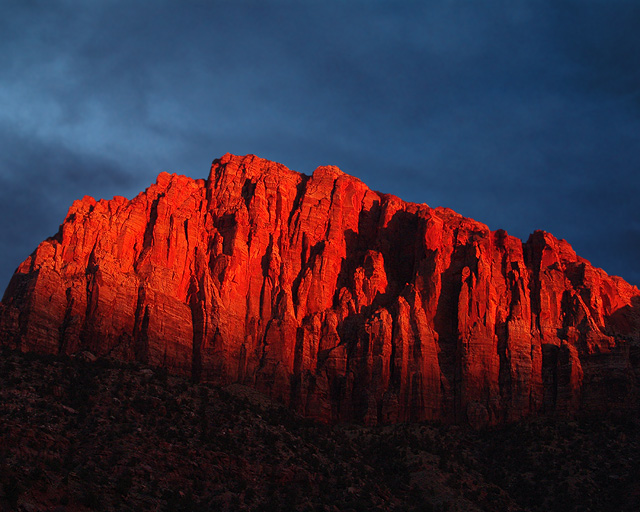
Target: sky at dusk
x=523 y=115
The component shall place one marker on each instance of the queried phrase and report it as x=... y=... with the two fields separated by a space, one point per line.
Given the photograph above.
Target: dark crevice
x=227 y=226
x=141 y=327
x=65 y=322
x=248 y=190
x=148 y=232
x=301 y=188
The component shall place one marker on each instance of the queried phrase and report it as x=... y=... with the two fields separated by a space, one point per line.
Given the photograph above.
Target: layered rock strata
x=345 y=303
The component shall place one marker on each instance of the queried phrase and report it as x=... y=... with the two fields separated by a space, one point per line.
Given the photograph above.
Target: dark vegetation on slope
x=82 y=435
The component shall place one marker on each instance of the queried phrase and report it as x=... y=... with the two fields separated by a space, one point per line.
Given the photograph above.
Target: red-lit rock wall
x=345 y=303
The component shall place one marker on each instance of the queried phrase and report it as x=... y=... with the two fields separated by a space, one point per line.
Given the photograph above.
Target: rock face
x=345 y=303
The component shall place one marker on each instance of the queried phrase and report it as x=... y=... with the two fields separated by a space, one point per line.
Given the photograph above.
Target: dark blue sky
x=521 y=114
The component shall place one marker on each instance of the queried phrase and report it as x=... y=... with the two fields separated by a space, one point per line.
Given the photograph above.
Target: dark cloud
x=38 y=183
x=521 y=114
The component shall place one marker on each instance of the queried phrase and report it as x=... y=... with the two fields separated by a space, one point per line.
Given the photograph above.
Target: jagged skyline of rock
x=523 y=115
x=345 y=303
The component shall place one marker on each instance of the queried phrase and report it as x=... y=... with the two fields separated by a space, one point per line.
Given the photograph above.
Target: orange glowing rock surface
x=345 y=303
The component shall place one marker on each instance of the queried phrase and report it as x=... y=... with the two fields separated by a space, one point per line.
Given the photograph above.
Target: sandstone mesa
x=345 y=303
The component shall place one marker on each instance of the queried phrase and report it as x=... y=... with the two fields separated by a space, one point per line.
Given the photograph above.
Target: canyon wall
x=345 y=303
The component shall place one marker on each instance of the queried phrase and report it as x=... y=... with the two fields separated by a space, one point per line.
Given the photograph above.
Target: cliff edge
x=345 y=303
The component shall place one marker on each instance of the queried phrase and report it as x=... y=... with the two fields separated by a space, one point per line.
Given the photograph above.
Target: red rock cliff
x=345 y=303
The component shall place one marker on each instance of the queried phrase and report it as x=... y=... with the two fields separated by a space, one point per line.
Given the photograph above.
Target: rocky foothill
x=80 y=434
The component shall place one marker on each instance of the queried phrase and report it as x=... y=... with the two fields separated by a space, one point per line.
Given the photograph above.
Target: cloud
x=38 y=183
x=522 y=115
